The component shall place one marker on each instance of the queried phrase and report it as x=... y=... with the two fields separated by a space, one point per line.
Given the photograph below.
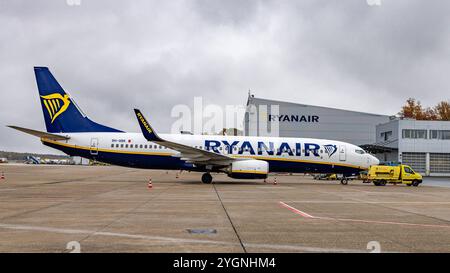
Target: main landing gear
x=207 y=178
x=344 y=180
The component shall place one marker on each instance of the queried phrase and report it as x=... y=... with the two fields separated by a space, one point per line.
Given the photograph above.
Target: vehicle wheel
x=206 y=178
x=383 y=183
x=376 y=183
x=344 y=181
x=415 y=183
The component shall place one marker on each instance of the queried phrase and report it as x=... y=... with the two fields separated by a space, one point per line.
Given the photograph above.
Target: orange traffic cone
x=275 y=181
x=3 y=176
x=150 y=185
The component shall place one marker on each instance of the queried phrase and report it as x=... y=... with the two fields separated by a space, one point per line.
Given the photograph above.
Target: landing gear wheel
x=206 y=178
x=344 y=181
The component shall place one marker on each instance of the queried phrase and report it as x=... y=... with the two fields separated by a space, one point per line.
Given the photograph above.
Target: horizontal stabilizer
x=39 y=133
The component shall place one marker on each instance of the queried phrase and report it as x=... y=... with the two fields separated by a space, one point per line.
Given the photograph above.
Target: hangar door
x=417 y=161
x=439 y=163
x=342 y=153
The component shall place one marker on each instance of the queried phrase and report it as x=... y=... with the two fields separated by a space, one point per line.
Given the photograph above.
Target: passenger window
x=141 y=146
x=160 y=147
x=145 y=146
x=117 y=145
x=112 y=145
x=121 y=145
x=126 y=145
x=131 y=145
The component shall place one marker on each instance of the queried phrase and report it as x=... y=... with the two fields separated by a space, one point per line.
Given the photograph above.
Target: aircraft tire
x=206 y=178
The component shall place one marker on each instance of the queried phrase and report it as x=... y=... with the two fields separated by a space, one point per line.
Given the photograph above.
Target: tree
x=443 y=110
x=413 y=109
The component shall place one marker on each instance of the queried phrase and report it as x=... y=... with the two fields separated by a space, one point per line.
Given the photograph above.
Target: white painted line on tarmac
x=173 y=240
x=306 y=215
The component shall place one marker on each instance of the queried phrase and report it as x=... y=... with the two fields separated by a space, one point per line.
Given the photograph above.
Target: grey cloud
x=113 y=56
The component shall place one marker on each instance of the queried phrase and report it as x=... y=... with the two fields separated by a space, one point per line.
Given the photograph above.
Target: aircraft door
x=94 y=146
x=342 y=153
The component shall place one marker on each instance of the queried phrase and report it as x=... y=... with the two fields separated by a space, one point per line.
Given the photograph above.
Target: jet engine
x=249 y=169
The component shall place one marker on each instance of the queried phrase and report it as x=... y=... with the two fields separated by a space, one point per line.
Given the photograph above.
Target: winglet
x=147 y=130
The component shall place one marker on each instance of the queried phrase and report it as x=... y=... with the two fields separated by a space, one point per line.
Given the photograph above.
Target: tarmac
x=112 y=209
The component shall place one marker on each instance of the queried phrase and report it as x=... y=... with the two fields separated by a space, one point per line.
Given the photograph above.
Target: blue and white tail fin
x=61 y=113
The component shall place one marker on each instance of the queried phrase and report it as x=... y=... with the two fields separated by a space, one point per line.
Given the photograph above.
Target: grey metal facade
x=424 y=145
x=301 y=120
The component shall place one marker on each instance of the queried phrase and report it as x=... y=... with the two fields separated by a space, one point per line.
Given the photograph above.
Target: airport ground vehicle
x=325 y=176
x=380 y=175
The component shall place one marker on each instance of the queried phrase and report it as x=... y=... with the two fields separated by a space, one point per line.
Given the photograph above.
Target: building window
x=440 y=134
x=386 y=135
x=414 y=134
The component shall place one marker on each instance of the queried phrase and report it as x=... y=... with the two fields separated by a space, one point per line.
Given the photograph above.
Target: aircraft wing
x=187 y=153
x=39 y=133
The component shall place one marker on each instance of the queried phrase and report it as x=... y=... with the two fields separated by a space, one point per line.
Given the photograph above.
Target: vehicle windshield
x=409 y=170
x=360 y=151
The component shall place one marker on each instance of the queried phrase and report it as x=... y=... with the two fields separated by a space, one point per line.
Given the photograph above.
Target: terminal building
x=424 y=145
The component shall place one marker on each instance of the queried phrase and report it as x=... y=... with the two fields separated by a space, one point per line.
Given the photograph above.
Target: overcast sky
x=113 y=56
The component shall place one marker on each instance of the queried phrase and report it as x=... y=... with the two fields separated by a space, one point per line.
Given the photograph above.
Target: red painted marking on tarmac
x=299 y=212
x=306 y=215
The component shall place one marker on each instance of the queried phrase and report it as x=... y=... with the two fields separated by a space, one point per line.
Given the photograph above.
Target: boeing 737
x=243 y=157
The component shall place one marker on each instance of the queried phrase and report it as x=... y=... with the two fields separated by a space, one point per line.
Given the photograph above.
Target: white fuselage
x=309 y=155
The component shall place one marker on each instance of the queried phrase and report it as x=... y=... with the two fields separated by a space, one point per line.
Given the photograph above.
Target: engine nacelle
x=249 y=169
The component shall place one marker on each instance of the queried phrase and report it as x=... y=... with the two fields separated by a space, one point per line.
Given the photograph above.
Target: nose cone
x=375 y=160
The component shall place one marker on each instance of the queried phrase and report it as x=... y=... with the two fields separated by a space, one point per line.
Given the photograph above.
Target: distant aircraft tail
x=61 y=113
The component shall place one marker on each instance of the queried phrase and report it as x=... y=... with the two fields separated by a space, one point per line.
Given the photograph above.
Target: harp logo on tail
x=56 y=104
x=330 y=149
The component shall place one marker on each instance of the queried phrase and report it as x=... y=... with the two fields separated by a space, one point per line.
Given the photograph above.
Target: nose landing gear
x=207 y=178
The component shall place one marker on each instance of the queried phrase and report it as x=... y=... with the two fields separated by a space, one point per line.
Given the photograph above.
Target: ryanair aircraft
x=72 y=132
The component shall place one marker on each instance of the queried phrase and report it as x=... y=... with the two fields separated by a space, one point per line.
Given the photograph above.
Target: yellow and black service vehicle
x=380 y=175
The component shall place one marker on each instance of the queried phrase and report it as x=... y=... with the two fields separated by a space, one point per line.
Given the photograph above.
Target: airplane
x=242 y=157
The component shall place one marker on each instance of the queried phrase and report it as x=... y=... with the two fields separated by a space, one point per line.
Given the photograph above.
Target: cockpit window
x=359 y=151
